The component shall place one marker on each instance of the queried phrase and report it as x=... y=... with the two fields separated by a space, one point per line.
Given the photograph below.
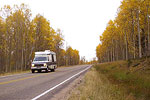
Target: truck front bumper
x=39 y=68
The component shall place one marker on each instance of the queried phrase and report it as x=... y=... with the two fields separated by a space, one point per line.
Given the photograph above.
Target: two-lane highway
x=41 y=86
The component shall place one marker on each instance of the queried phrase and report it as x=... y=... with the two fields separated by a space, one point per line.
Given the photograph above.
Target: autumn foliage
x=128 y=36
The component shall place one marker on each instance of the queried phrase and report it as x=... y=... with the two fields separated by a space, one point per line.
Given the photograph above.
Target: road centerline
x=42 y=94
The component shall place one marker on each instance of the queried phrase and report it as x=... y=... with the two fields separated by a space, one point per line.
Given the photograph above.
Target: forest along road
x=39 y=86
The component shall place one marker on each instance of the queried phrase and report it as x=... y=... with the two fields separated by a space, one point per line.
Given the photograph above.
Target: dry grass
x=96 y=87
x=15 y=72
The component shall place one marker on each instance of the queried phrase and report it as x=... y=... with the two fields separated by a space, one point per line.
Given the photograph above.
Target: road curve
x=38 y=86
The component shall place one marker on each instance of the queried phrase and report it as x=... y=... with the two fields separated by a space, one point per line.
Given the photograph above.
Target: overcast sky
x=82 y=21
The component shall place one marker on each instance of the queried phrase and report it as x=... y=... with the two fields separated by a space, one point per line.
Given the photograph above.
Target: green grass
x=135 y=83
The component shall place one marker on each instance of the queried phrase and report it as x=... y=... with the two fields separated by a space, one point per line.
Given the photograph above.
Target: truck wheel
x=32 y=71
x=39 y=71
x=46 y=70
x=53 y=70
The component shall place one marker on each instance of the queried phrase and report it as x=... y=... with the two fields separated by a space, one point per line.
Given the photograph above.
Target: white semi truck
x=44 y=60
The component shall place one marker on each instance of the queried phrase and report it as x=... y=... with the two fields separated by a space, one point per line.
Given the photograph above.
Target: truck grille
x=39 y=65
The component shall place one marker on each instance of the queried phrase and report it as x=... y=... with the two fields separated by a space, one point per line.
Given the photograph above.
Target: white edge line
x=35 y=98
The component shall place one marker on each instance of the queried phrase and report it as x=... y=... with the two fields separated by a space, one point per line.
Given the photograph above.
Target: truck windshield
x=41 y=59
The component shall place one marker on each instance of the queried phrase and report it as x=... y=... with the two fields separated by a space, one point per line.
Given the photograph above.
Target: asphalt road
x=38 y=86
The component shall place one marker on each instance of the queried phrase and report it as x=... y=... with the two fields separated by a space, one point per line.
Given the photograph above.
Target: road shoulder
x=66 y=92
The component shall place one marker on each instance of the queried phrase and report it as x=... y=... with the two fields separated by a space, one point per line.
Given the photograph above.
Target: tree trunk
x=139 y=35
x=148 y=31
x=108 y=55
x=111 y=54
x=134 y=48
x=133 y=37
x=127 y=52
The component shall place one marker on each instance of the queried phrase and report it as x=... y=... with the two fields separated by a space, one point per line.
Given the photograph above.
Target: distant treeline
x=20 y=37
x=128 y=36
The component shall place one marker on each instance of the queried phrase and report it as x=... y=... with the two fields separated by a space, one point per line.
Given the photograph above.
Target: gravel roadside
x=65 y=93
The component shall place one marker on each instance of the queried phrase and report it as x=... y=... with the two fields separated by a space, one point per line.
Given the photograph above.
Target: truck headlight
x=32 y=65
x=45 y=65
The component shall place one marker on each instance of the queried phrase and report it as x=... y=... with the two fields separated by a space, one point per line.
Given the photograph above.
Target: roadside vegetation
x=116 y=81
x=96 y=86
x=15 y=72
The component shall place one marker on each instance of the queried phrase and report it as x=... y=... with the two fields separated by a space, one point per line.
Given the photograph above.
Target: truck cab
x=44 y=60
